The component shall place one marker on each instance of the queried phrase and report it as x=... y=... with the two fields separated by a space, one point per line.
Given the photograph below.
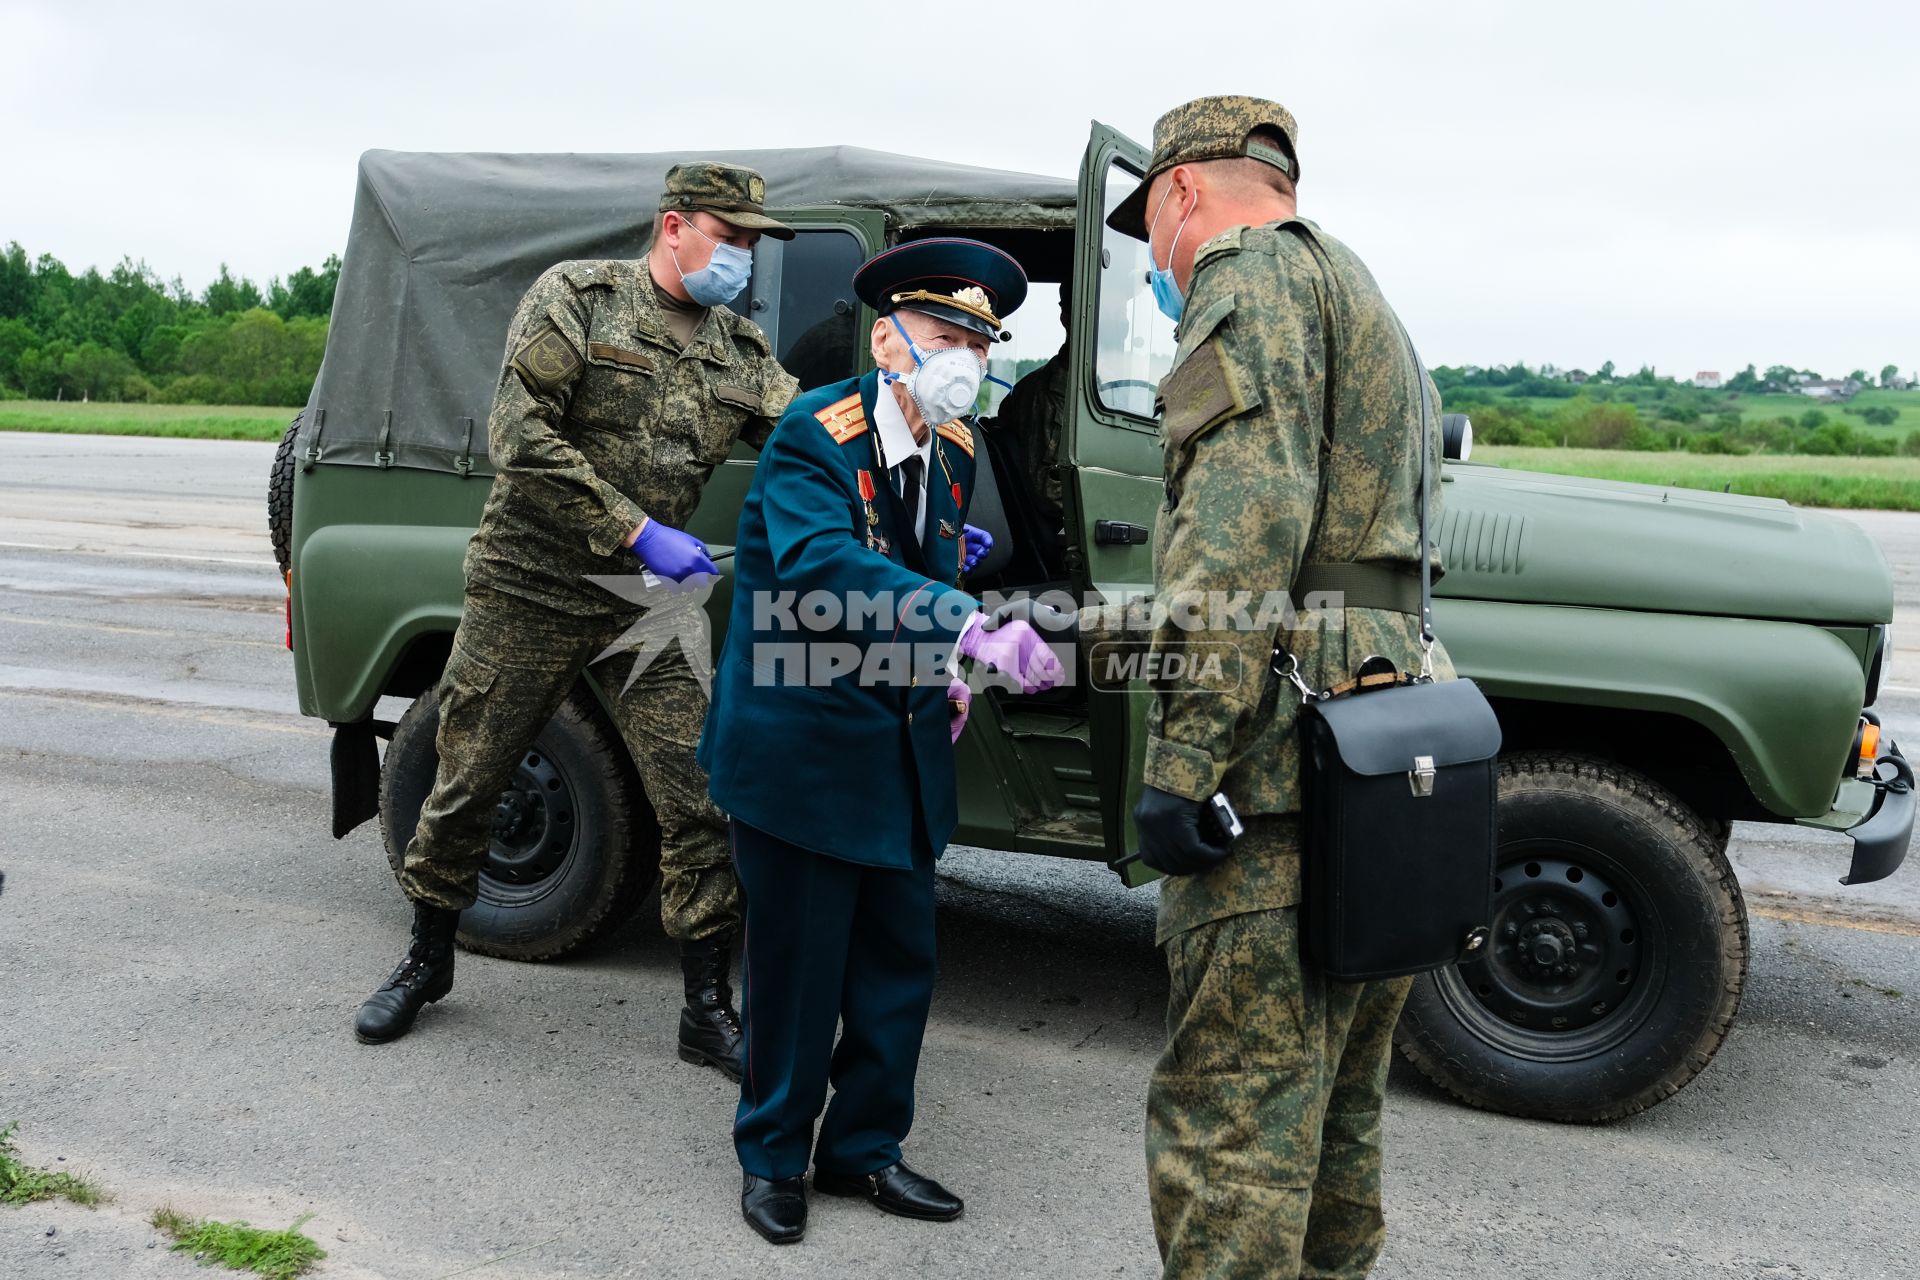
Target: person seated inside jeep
x=1028 y=429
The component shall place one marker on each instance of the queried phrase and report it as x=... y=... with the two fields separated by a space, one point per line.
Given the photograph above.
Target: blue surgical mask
x=1166 y=294
x=724 y=276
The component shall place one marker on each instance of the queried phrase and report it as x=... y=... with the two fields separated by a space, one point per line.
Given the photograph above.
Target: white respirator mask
x=944 y=385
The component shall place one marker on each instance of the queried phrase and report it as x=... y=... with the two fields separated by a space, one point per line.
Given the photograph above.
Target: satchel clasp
x=1420 y=777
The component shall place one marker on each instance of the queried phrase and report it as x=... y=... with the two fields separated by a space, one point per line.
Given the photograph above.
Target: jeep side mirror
x=1456 y=436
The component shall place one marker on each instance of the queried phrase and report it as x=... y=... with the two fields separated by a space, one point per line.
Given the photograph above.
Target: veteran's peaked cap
x=963 y=282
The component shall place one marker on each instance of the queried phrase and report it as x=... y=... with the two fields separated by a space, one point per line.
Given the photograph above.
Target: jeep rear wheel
x=1618 y=958
x=280 y=496
x=575 y=845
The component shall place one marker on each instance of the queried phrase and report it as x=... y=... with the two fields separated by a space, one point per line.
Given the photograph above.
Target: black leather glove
x=1178 y=836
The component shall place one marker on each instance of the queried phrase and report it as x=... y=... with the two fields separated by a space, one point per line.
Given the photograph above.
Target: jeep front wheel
x=1619 y=951
x=574 y=847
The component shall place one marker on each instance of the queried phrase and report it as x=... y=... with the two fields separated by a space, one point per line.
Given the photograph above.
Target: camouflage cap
x=727 y=191
x=1213 y=128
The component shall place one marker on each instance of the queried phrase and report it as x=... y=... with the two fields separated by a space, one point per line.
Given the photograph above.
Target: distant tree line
x=1647 y=412
x=128 y=335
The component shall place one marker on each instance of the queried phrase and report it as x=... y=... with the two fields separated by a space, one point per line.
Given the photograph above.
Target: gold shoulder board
x=959 y=433
x=844 y=419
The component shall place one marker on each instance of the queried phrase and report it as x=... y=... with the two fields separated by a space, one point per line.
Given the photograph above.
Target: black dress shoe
x=894 y=1189
x=775 y=1207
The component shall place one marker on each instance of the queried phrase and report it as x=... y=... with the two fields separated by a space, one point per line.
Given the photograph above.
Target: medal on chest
x=867 y=492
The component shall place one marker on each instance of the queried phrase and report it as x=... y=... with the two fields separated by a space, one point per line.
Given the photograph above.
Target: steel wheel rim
x=1559 y=982
x=535 y=834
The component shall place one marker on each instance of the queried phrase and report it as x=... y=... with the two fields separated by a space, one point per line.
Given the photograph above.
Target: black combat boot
x=709 y=1028
x=425 y=975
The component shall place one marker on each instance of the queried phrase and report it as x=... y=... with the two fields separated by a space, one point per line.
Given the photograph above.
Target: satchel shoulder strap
x=1304 y=232
x=1291 y=668
x=1426 y=500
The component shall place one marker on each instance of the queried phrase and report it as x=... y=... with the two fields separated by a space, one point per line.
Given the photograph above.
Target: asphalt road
x=182 y=947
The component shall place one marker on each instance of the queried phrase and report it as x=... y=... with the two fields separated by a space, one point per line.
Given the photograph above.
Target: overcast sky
x=1689 y=185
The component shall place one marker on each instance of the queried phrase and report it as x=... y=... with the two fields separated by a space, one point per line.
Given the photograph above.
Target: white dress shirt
x=897 y=445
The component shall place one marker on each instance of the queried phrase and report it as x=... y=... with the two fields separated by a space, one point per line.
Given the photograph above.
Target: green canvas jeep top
x=1663 y=661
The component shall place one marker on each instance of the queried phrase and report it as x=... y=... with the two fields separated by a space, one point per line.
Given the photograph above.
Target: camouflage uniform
x=1036 y=412
x=600 y=419
x=1291 y=427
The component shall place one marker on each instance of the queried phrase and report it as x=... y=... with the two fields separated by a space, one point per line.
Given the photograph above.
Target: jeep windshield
x=1135 y=343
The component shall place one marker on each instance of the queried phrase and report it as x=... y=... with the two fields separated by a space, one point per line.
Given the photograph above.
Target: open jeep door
x=1122 y=346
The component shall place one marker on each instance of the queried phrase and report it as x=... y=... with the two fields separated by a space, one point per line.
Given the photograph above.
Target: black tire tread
x=614 y=904
x=280 y=496
x=1616 y=785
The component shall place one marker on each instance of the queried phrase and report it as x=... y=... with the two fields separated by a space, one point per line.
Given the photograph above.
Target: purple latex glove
x=979 y=542
x=671 y=554
x=959 y=706
x=1017 y=649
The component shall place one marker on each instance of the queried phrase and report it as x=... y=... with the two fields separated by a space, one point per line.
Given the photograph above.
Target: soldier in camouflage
x=624 y=385
x=1291 y=428
x=1032 y=420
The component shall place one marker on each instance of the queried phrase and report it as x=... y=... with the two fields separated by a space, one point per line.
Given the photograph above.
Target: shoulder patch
x=1224 y=245
x=587 y=275
x=844 y=419
x=958 y=432
x=547 y=361
x=1201 y=393
x=749 y=333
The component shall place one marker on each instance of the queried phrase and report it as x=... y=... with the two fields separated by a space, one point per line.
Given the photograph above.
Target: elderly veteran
x=832 y=747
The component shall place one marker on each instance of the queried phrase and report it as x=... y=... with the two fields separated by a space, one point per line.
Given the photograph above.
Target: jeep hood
x=1525 y=537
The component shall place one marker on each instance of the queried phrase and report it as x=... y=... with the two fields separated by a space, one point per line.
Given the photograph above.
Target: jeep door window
x=1037 y=337
x=814 y=334
x=1134 y=346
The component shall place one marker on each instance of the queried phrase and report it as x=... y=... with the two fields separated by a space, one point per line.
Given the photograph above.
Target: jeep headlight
x=1456 y=437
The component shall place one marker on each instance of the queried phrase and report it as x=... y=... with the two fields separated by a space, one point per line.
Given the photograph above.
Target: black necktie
x=910 y=490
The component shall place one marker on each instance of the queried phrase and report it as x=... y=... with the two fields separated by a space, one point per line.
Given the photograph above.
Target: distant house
x=1831 y=389
x=1707 y=380
x=1575 y=375
x=1899 y=382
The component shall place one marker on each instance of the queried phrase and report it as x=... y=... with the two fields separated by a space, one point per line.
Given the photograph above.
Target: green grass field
x=1890 y=484
x=200 y=421
x=1763 y=408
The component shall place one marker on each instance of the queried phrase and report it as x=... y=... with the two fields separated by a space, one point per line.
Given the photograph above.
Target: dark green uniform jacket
x=841 y=766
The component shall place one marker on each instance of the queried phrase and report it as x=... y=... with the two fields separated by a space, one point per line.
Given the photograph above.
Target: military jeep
x=1663 y=661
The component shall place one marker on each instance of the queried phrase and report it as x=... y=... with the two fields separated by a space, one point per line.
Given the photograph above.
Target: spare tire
x=280 y=497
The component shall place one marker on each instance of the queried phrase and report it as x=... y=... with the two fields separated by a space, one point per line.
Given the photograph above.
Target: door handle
x=1118 y=533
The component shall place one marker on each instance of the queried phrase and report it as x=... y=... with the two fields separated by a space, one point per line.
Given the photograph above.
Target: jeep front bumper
x=1878 y=813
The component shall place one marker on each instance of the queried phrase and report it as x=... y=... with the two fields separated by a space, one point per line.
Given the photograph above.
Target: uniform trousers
x=512 y=666
x=830 y=942
x=1263 y=1113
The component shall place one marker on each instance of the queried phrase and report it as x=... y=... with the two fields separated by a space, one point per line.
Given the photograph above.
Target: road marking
x=233 y=719
x=145 y=555
x=1836 y=920
x=134 y=631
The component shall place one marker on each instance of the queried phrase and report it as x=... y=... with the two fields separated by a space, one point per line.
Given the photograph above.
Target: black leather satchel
x=1399 y=780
